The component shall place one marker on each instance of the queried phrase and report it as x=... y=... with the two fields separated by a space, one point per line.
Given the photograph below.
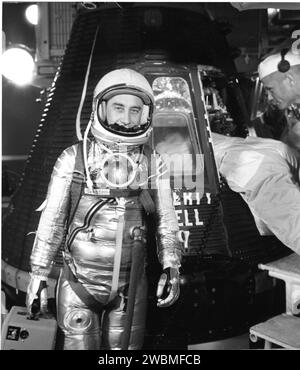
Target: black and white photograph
x=150 y=179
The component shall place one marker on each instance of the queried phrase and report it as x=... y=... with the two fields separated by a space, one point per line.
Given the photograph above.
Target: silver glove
x=37 y=288
x=168 y=287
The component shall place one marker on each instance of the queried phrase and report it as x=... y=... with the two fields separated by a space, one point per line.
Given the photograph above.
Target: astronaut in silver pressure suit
x=98 y=243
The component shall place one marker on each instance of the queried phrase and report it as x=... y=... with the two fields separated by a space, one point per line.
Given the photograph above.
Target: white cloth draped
x=266 y=174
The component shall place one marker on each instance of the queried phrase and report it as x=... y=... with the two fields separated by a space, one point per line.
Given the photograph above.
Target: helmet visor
x=127 y=127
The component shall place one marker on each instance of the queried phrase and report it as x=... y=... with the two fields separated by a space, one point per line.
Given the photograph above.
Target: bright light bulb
x=17 y=65
x=32 y=14
x=272 y=12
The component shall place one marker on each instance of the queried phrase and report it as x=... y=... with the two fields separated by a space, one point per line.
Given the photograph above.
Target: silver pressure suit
x=92 y=248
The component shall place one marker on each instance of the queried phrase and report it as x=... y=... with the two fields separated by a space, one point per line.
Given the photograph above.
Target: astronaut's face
x=280 y=88
x=125 y=111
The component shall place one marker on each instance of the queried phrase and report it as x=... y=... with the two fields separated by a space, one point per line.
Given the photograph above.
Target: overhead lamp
x=32 y=14
x=17 y=65
x=272 y=12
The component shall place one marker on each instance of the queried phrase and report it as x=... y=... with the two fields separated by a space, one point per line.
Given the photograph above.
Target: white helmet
x=117 y=82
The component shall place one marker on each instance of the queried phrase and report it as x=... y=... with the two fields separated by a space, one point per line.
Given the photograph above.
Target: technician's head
x=280 y=75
